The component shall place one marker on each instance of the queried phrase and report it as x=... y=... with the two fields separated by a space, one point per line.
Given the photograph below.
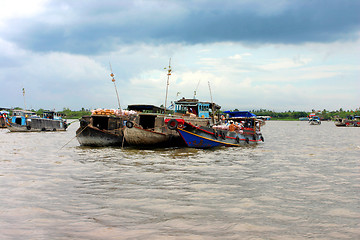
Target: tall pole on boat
x=24 y=98
x=113 y=80
x=167 y=84
x=212 y=104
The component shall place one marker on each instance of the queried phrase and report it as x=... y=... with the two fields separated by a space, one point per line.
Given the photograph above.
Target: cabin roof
x=240 y=114
x=144 y=107
x=194 y=102
x=24 y=111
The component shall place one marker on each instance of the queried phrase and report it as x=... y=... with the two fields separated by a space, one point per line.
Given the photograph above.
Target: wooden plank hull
x=91 y=136
x=139 y=137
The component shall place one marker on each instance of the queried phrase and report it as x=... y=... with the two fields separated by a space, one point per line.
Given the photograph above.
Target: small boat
x=304 y=119
x=4 y=119
x=314 y=120
x=350 y=121
x=103 y=128
x=28 y=121
x=246 y=132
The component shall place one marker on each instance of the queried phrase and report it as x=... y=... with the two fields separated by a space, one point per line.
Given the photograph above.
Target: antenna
x=212 y=104
x=113 y=80
x=196 y=88
x=167 y=84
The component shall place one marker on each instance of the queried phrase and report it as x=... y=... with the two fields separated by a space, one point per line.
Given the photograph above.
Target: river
x=303 y=182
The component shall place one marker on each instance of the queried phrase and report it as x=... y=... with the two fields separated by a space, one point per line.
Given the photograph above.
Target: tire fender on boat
x=262 y=138
x=237 y=139
x=129 y=124
x=172 y=124
x=247 y=140
x=28 y=127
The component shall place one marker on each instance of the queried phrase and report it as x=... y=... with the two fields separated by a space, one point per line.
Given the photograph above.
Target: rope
x=73 y=138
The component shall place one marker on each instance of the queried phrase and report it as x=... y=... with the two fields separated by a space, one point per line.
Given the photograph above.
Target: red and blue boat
x=237 y=129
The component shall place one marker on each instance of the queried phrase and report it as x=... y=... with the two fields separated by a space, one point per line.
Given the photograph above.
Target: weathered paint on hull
x=90 y=136
x=141 y=137
x=13 y=128
x=2 y=122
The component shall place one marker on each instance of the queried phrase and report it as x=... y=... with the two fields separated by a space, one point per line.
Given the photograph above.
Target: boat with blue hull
x=238 y=130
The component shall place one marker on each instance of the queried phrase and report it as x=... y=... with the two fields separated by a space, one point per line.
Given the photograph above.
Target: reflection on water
x=303 y=182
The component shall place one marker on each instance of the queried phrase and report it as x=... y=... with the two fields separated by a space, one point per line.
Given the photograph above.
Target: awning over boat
x=145 y=107
x=240 y=114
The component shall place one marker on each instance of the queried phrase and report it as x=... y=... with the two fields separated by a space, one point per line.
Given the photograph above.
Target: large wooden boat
x=28 y=121
x=246 y=132
x=350 y=121
x=150 y=128
x=102 y=128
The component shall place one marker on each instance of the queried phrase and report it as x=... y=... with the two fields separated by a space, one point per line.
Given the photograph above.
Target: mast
x=212 y=104
x=24 y=98
x=167 y=84
x=113 y=80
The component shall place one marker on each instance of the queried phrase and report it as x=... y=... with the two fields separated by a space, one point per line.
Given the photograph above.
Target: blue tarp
x=239 y=114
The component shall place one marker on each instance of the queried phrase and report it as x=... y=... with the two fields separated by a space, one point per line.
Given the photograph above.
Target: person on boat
x=233 y=127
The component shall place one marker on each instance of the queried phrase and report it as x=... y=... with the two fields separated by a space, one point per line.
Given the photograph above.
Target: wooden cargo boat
x=102 y=128
x=28 y=121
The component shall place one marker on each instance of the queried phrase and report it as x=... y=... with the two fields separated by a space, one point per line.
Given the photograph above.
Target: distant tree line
x=69 y=113
x=287 y=115
x=295 y=115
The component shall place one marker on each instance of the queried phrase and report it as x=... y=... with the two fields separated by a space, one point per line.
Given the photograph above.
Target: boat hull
x=38 y=125
x=205 y=137
x=91 y=136
x=347 y=123
x=139 y=137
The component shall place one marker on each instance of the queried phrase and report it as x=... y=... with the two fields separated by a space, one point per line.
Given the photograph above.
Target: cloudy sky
x=278 y=55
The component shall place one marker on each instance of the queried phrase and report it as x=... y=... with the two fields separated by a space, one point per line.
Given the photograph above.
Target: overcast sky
x=277 y=55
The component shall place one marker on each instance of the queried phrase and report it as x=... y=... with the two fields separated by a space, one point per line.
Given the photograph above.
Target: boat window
x=18 y=121
x=147 y=121
x=100 y=122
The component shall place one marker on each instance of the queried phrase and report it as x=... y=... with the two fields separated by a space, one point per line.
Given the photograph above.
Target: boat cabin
x=149 y=116
x=53 y=115
x=248 y=119
x=19 y=116
x=193 y=106
x=104 y=122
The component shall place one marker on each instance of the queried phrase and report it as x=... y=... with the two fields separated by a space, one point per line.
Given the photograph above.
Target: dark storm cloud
x=92 y=26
